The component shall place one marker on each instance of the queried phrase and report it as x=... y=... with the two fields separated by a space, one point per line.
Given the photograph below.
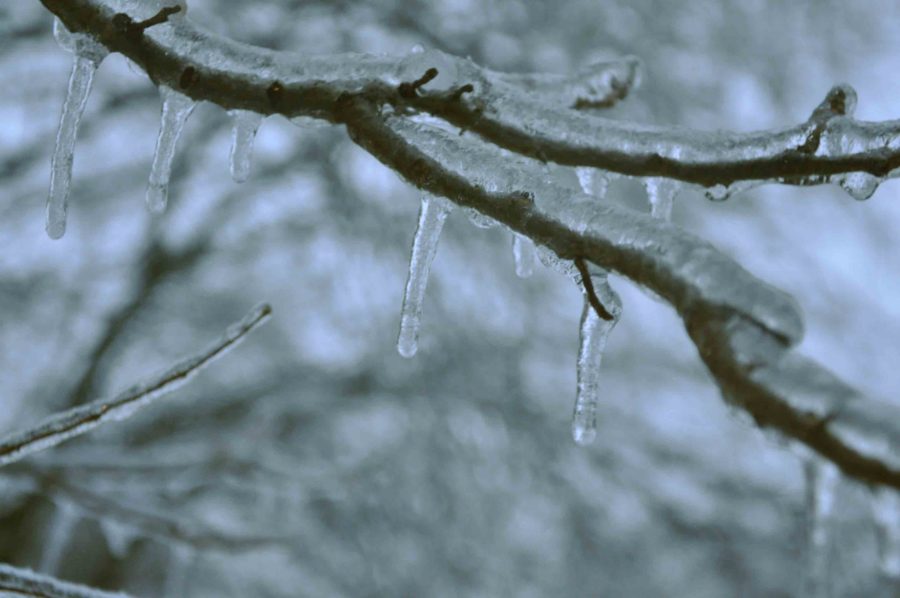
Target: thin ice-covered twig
x=76 y=421
x=25 y=582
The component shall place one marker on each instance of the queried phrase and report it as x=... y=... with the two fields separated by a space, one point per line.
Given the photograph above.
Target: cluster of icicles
x=821 y=476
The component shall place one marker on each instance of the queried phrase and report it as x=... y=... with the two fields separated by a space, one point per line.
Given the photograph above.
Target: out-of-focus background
x=315 y=461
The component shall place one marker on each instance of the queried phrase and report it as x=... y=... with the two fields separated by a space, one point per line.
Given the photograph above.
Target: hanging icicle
x=245 y=123
x=660 y=193
x=432 y=214
x=88 y=54
x=524 y=255
x=593 y=334
x=886 y=513
x=176 y=109
x=821 y=478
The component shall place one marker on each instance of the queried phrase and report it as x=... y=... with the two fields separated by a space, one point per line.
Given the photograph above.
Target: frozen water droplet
x=245 y=123
x=79 y=89
x=417 y=49
x=886 y=513
x=524 y=255
x=718 y=193
x=80 y=44
x=415 y=64
x=822 y=479
x=480 y=220
x=660 y=193
x=592 y=335
x=592 y=181
x=859 y=185
x=432 y=214
x=176 y=109
x=63 y=37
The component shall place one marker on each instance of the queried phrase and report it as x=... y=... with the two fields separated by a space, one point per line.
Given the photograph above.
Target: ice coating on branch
x=886 y=513
x=245 y=123
x=309 y=122
x=87 y=56
x=661 y=194
x=821 y=477
x=479 y=220
x=593 y=334
x=176 y=109
x=415 y=64
x=524 y=255
x=433 y=212
x=593 y=182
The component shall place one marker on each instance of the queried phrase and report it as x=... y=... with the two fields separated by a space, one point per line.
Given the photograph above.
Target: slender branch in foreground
x=528 y=114
x=589 y=290
x=78 y=420
x=25 y=582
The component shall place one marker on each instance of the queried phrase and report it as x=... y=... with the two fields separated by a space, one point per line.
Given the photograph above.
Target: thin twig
x=588 y=285
x=81 y=419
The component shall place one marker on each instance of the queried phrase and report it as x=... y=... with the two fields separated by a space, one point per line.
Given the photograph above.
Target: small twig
x=161 y=17
x=81 y=419
x=589 y=289
x=408 y=90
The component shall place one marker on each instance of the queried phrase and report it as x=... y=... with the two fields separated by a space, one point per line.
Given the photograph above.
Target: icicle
x=593 y=182
x=524 y=254
x=245 y=123
x=480 y=220
x=593 y=334
x=64 y=520
x=432 y=214
x=886 y=513
x=176 y=109
x=660 y=193
x=88 y=55
x=821 y=482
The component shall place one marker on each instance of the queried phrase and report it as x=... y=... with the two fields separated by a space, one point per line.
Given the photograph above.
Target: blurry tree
x=313 y=461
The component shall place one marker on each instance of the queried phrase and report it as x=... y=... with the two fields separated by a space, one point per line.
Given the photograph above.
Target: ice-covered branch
x=742 y=326
x=25 y=582
x=78 y=420
x=530 y=114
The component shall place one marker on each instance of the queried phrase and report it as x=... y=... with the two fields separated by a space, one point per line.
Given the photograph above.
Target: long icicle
x=87 y=57
x=886 y=513
x=432 y=214
x=594 y=332
x=524 y=255
x=821 y=478
x=245 y=123
x=176 y=109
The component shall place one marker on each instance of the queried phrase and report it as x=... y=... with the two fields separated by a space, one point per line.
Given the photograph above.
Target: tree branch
x=527 y=114
x=742 y=326
x=26 y=582
x=78 y=420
